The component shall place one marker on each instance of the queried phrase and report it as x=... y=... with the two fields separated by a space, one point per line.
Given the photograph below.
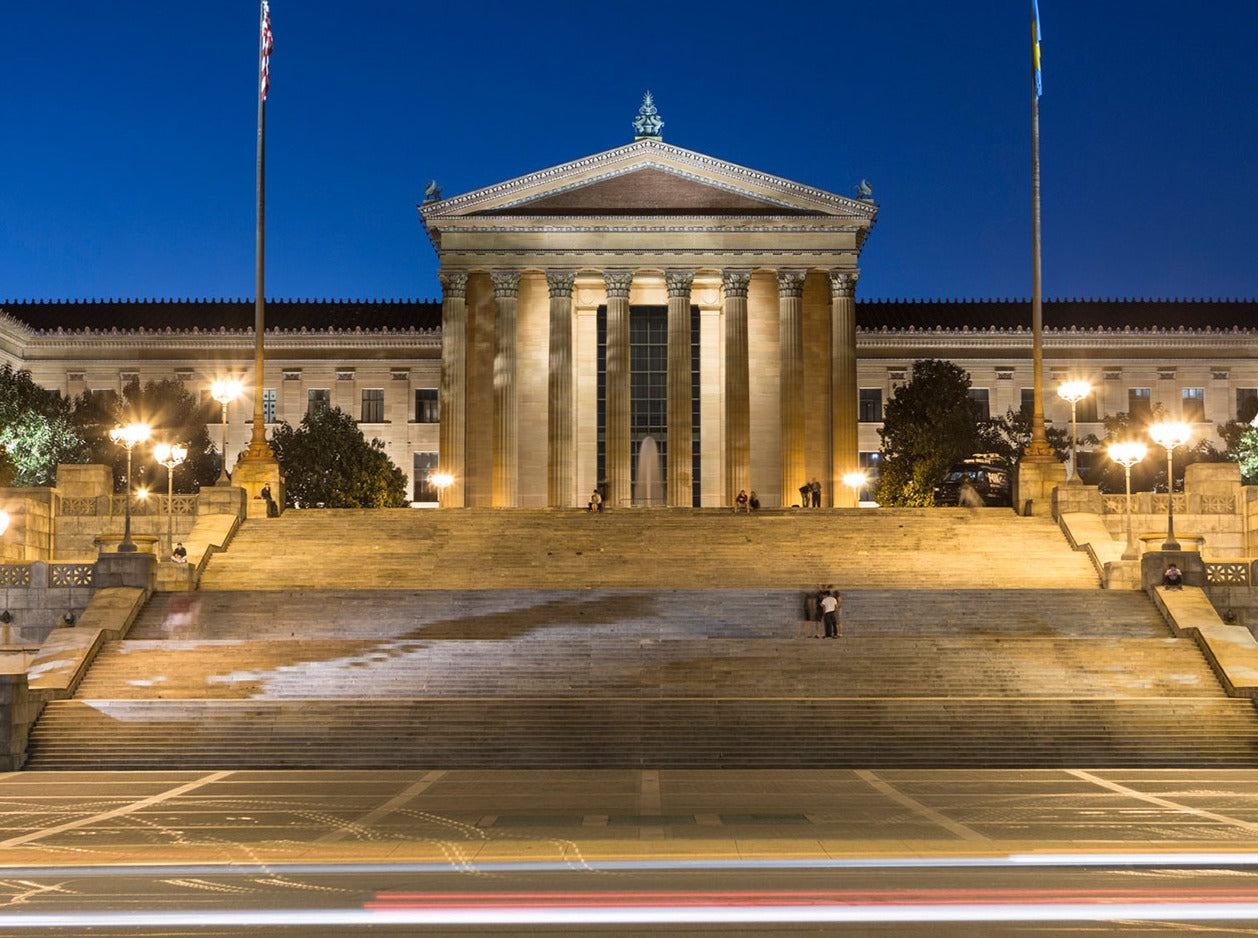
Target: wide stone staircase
x=511 y=663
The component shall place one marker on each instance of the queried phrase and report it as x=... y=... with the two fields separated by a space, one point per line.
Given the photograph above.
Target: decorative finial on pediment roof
x=648 y=123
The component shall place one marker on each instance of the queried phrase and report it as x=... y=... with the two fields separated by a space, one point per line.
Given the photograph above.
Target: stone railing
x=18 y=575
x=115 y=505
x=1208 y=504
x=1230 y=572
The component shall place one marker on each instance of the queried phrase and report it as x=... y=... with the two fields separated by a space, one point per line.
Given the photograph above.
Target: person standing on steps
x=829 y=613
x=814 y=489
x=805 y=495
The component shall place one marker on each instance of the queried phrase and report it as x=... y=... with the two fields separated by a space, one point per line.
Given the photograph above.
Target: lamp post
x=1127 y=455
x=857 y=481
x=170 y=455
x=225 y=391
x=1074 y=392
x=128 y=437
x=1170 y=434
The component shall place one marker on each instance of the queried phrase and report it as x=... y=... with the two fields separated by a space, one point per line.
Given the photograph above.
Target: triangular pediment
x=650 y=190
x=648 y=178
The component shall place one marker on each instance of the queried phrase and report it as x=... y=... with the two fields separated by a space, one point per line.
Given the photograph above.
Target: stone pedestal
x=1154 y=563
x=249 y=476
x=135 y=570
x=1036 y=481
x=1071 y=498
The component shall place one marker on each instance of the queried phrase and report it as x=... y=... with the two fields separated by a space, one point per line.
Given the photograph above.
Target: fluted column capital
x=791 y=282
x=735 y=282
x=843 y=282
x=453 y=282
x=560 y=282
x=618 y=282
x=506 y=283
x=679 y=281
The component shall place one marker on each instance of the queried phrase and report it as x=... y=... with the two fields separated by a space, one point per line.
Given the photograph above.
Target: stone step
x=616 y=733
x=479 y=549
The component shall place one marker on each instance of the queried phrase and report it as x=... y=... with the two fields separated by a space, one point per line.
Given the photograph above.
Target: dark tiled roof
x=1059 y=314
x=228 y=314
x=426 y=314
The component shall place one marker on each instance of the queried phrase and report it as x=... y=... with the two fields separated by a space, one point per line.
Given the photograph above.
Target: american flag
x=264 y=78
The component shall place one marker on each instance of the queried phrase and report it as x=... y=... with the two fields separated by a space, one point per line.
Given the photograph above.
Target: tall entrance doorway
x=648 y=394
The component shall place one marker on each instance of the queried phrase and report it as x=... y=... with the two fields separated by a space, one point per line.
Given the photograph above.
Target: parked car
x=987 y=474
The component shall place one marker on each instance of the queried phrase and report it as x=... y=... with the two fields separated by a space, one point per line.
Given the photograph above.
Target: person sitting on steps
x=596 y=502
x=179 y=554
x=740 y=503
x=1173 y=578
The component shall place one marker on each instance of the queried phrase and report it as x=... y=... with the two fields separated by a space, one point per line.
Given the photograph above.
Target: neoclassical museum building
x=665 y=326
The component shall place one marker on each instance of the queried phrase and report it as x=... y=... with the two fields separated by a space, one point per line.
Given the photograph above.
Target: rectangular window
x=1246 y=404
x=1085 y=410
x=427 y=409
x=980 y=397
x=318 y=399
x=268 y=405
x=870 y=405
x=1193 y=405
x=1140 y=404
x=373 y=405
x=425 y=465
x=1027 y=401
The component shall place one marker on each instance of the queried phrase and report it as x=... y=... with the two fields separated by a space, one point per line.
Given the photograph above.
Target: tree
x=175 y=415
x=328 y=460
x=1242 y=447
x=1010 y=435
x=930 y=424
x=36 y=432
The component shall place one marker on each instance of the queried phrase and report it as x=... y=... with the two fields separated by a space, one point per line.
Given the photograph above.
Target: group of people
x=810 y=494
x=823 y=613
x=745 y=502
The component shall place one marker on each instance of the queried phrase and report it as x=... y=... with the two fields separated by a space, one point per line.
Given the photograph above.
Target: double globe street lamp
x=1074 y=392
x=1170 y=434
x=170 y=455
x=225 y=391
x=129 y=437
x=1127 y=455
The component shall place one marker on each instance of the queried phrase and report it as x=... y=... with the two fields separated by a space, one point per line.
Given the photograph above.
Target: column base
x=251 y=475
x=1036 y=481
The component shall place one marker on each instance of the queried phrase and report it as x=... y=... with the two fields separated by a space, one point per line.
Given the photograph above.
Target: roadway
x=871 y=853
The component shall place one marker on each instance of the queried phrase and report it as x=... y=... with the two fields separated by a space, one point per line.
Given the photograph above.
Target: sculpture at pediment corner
x=432 y=192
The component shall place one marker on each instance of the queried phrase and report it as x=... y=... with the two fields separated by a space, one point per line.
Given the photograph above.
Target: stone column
x=680 y=425
x=737 y=385
x=791 y=334
x=617 y=450
x=452 y=401
x=506 y=396
x=560 y=453
x=844 y=453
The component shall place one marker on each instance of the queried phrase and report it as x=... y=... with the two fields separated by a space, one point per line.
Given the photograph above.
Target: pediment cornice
x=792 y=197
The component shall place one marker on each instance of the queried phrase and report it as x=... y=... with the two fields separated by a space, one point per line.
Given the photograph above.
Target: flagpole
x=258 y=447
x=1038 y=450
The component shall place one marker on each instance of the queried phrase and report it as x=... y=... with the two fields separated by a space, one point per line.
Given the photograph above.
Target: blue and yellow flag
x=1035 y=46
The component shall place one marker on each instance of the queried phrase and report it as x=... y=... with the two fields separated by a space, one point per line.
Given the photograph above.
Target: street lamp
x=441 y=481
x=128 y=437
x=1074 y=392
x=4 y=521
x=225 y=391
x=1170 y=434
x=1127 y=455
x=170 y=455
x=857 y=481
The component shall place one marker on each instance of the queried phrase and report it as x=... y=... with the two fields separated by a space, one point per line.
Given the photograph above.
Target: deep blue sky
x=127 y=162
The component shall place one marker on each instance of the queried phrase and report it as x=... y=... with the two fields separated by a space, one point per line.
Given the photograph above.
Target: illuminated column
x=791 y=335
x=617 y=451
x=680 y=424
x=453 y=402
x=737 y=389
x=506 y=397
x=845 y=451
x=561 y=455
